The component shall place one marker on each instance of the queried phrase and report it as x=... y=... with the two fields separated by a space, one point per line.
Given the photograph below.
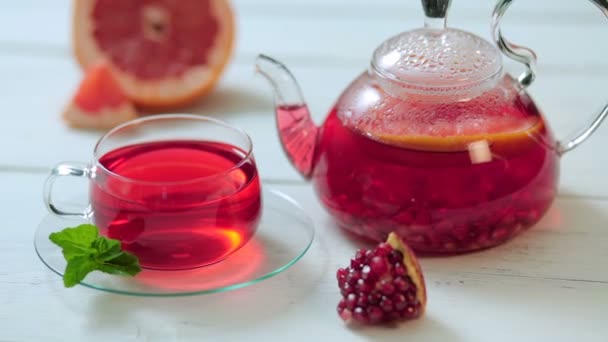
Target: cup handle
x=61 y=170
x=527 y=57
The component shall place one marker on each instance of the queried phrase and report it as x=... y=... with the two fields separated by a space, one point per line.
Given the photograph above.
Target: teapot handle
x=527 y=57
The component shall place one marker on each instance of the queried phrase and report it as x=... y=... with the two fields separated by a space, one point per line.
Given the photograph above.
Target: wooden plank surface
x=550 y=284
x=548 y=277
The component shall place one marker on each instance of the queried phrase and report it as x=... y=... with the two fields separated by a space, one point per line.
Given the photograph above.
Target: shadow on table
x=426 y=327
x=225 y=102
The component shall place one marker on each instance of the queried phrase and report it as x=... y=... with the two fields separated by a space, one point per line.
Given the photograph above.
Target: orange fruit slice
x=163 y=53
x=99 y=102
x=503 y=133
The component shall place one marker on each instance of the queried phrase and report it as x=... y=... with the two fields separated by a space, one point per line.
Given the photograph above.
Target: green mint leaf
x=123 y=264
x=77 y=269
x=86 y=251
x=107 y=248
x=75 y=241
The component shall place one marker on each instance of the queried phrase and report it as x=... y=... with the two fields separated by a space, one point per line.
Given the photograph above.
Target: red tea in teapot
x=444 y=178
x=433 y=140
x=178 y=204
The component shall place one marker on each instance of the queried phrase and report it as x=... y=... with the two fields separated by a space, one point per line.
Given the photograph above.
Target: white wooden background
x=550 y=284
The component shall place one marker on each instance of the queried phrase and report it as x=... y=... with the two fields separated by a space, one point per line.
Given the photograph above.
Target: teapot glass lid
x=436 y=56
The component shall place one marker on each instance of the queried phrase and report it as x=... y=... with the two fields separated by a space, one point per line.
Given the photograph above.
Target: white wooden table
x=549 y=284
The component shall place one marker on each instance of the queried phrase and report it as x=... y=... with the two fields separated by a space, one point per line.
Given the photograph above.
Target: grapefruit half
x=164 y=53
x=99 y=103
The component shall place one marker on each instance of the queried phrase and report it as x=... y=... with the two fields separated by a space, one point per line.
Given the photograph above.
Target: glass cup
x=179 y=191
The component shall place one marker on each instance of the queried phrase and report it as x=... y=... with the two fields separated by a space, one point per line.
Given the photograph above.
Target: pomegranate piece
x=382 y=285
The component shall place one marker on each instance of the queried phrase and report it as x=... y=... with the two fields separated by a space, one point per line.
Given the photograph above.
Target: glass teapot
x=434 y=142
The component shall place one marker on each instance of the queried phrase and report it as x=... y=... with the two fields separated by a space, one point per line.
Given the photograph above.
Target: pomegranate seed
x=341 y=275
x=362 y=301
x=346 y=289
x=378 y=265
x=393 y=315
x=351 y=301
x=387 y=289
x=400 y=284
x=374 y=298
x=360 y=315
x=400 y=302
x=365 y=271
x=377 y=286
x=363 y=287
x=399 y=270
x=386 y=305
x=353 y=277
x=383 y=249
x=360 y=254
x=341 y=305
x=395 y=257
x=410 y=296
x=375 y=314
x=409 y=312
x=345 y=314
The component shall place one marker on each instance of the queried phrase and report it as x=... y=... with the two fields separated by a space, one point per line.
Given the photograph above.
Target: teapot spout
x=297 y=132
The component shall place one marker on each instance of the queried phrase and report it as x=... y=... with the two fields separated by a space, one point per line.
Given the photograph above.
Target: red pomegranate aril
x=382 y=285
x=410 y=296
x=386 y=305
x=409 y=312
x=346 y=289
x=345 y=314
x=360 y=254
x=362 y=301
x=400 y=284
x=374 y=298
x=378 y=265
x=351 y=301
x=359 y=314
x=387 y=289
x=365 y=272
x=353 y=277
x=355 y=263
x=393 y=316
x=399 y=270
x=363 y=288
x=375 y=314
x=400 y=302
x=341 y=274
x=383 y=249
x=395 y=257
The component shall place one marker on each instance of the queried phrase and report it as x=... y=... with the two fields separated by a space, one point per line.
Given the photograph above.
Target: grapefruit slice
x=99 y=102
x=500 y=118
x=164 y=53
x=511 y=132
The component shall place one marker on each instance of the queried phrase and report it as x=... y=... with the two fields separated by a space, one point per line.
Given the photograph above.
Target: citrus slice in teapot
x=434 y=142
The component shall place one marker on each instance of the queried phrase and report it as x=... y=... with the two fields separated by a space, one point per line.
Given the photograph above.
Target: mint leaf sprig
x=86 y=251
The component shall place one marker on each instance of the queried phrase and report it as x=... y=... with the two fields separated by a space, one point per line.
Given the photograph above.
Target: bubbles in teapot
x=448 y=57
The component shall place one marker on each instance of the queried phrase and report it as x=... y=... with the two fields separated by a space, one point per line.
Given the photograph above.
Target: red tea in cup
x=174 y=201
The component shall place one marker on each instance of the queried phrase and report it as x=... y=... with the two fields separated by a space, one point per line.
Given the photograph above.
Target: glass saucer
x=284 y=235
